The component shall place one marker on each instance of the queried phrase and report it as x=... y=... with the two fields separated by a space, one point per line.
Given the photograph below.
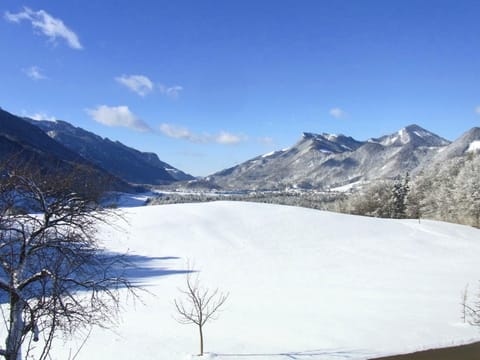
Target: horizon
x=209 y=85
x=303 y=134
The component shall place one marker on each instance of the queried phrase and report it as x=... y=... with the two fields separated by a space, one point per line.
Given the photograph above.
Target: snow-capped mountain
x=469 y=142
x=329 y=143
x=412 y=134
x=326 y=161
x=120 y=160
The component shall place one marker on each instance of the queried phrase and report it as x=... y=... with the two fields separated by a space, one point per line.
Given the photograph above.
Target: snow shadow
x=136 y=268
x=323 y=354
x=139 y=268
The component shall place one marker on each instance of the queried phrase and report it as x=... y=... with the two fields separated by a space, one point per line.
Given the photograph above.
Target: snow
x=401 y=135
x=270 y=154
x=275 y=152
x=325 y=151
x=348 y=187
x=422 y=134
x=389 y=141
x=303 y=283
x=331 y=137
x=172 y=171
x=474 y=146
x=404 y=137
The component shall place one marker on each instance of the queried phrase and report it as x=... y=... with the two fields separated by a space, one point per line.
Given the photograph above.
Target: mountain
x=326 y=161
x=28 y=144
x=468 y=142
x=413 y=135
x=120 y=160
x=18 y=135
x=328 y=143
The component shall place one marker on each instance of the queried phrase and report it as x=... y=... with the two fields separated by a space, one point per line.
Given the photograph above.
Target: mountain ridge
x=26 y=144
x=316 y=161
x=119 y=159
x=412 y=133
x=324 y=161
x=60 y=146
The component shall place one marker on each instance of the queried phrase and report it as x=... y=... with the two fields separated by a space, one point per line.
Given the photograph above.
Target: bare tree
x=199 y=306
x=54 y=277
x=471 y=309
x=465 y=308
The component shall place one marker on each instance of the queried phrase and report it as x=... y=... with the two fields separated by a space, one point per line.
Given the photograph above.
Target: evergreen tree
x=398 y=200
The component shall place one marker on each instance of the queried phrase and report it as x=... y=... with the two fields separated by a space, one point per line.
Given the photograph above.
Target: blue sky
x=209 y=84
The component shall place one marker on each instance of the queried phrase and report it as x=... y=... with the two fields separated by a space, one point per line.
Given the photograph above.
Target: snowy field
x=303 y=284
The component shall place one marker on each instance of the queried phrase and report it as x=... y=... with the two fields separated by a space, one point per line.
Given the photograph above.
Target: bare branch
x=52 y=270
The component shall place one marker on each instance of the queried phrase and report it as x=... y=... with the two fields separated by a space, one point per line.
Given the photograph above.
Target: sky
x=208 y=84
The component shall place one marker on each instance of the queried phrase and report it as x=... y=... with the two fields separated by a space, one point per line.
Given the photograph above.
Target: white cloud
x=477 y=110
x=178 y=132
x=224 y=138
x=35 y=73
x=51 y=27
x=140 y=84
x=118 y=116
x=172 y=91
x=337 y=113
x=42 y=116
x=39 y=116
x=16 y=18
x=266 y=140
x=227 y=138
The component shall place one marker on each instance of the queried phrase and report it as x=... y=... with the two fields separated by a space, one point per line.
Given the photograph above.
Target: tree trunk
x=14 y=339
x=201 y=339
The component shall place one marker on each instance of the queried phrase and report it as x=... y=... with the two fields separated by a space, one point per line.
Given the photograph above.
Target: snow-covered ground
x=303 y=284
x=474 y=146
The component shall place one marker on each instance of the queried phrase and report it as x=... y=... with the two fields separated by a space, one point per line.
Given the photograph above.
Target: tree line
x=448 y=191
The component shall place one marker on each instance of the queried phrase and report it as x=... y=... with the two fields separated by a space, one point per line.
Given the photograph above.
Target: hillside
x=120 y=160
x=27 y=144
x=303 y=284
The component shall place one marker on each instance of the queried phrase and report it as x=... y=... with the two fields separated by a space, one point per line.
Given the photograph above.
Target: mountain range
x=326 y=161
x=118 y=159
x=316 y=161
x=59 y=146
x=26 y=144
